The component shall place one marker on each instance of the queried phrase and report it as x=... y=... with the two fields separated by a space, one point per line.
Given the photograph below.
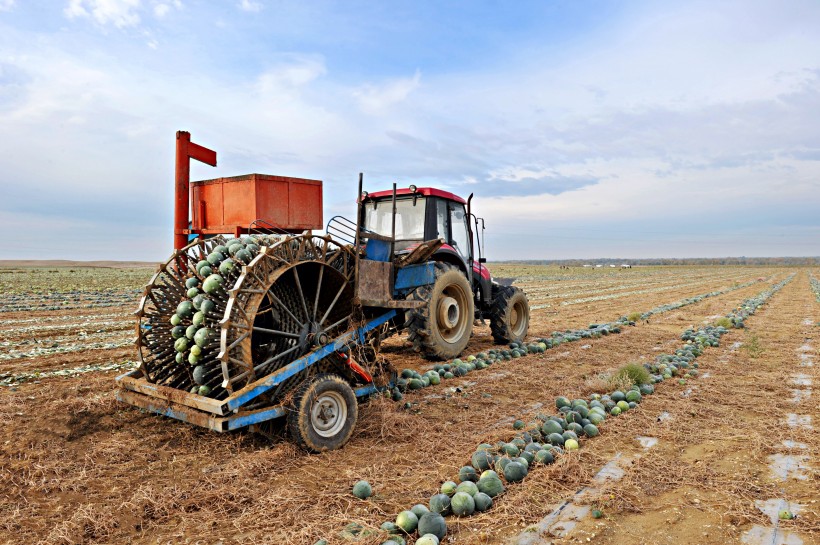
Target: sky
x=584 y=128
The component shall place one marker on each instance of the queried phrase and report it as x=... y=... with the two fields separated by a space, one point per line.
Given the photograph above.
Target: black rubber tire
x=509 y=314
x=329 y=390
x=425 y=329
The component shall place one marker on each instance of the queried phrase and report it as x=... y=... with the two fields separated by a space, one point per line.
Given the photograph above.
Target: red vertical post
x=186 y=150
x=181 y=193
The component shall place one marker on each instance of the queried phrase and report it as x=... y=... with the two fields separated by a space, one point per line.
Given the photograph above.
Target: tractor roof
x=426 y=191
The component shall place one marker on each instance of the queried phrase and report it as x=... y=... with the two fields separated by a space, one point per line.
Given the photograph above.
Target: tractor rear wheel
x=509 y=314
x=324 y=413
x=441 y=329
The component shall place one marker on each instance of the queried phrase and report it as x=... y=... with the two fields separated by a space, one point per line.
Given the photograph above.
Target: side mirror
x=482 y=259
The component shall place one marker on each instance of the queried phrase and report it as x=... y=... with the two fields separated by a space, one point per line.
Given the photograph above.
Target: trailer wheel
x=324 y=413
x=509 y=314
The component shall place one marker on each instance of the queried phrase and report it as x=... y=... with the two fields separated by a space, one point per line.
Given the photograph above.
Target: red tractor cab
x=464 y=289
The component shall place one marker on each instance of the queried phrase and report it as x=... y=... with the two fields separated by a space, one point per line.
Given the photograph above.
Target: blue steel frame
x=211 y=417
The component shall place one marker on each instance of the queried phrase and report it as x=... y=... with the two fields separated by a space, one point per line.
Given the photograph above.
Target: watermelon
x=544 y=457
x=419 y=510
x=181 y=344
x=490 y=485
x=215 y=258
x=407 y=521
x=213 y=284
x=200 y=264
x=514 y=472
x=415 y=384
x=204 y=390
x=617 y=396
x=462 y=504
x=199 y=318
x=449 y=488
x=467 y=487
x=591 y=430
x=510 y=450
x=185 y=309
x=199 y=378
x=440 y=503
x=467 y=473
x=551 y=426
x=481 y=460
x=555 y=439
x=623 y=405
x=427 y=539
x=191 y=331
x=432 y=524
x=561 y=402
x=390 y=527
x=633 y=396
x=207 y=306
x=571 y=444
x=518 y=425
x=226 y=267
x=193 y=359
x=615 y=411
x=361 y=489
x=482 y=502
x=178 y=332
x=205 y=271
x=191 y=293
x=244 y=255
x=203 y=336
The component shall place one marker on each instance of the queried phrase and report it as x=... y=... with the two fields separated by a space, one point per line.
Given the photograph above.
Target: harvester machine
x=255 y=316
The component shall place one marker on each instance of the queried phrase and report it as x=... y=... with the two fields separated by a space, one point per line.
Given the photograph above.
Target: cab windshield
x=378 y=217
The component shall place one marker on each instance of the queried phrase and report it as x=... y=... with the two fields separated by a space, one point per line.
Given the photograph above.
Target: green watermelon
x=514 y=472
x=490 y=485
x=199 y=378
x=407 y=521
x=468 y=487
x=551 y=426
x=617 y=396
x=449 y=488
x=440 y=503
x=427 y=539
x=591 y=430
x=203 y=336
x=204 y=390
x=518 y=425
x=213 y=284
x=362 y=489
x=181 y=344
x=544 y=457
x=419 y=509
x=561 y=402
x=633 y=396
x=571 y=444
x=482 y=502
x=207 y=306
x=467 y=473
x=481 y=460
x=432 y=523
x=462 y=504
x=185 y=309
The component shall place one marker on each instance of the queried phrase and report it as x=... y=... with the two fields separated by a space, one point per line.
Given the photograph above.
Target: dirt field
x=705 y=462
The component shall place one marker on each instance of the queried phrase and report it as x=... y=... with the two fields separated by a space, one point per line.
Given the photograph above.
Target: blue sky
x=585 y=129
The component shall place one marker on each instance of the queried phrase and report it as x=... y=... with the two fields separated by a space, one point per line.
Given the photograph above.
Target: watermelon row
x=815 y=286
x=548 y=437
x=413 y=380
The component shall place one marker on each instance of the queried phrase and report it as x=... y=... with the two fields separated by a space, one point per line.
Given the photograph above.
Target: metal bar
x=333 y=303
x=366 y=390
x=318 y=290
x=301 y=293
x=276 y=332
x=358 y=241
x=241 y=420
x=255 y=389
x=393 y=230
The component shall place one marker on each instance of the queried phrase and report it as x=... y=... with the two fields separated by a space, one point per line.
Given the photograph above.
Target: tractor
x=257 y=317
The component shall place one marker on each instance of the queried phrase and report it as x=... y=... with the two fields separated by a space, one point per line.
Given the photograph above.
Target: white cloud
x=161 y=10
x=120 y=13
x=6 y=5
x=250 y=5
x=374 y=99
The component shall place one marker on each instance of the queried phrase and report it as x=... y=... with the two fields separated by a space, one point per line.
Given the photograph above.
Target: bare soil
x=79 y=467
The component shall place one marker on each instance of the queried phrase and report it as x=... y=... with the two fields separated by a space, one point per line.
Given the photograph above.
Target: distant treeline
x=774 y=261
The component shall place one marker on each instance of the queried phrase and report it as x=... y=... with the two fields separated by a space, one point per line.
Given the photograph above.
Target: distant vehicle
x=625 y=266
x=598 y=266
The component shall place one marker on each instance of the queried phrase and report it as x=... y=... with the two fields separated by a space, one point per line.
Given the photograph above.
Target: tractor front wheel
x=324 y=413
x=509 y=315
